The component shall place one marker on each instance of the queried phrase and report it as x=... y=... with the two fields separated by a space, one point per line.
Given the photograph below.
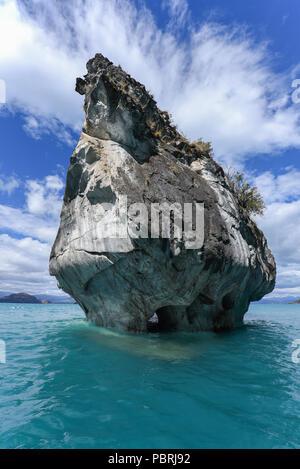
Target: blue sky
x=223 y=68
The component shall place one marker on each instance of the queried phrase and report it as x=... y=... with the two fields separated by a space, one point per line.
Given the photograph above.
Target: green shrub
x=248 y=196
x=204 y=147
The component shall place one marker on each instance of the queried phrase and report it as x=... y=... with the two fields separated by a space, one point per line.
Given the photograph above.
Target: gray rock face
x=128 y=147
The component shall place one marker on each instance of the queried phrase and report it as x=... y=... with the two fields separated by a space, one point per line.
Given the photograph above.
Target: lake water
x=68 y=384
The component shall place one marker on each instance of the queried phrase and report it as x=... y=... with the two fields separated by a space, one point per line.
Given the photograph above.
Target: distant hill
x=297 y=302
x=283 y=300
x=22 y=298
x=44 y=298
x=56 y=299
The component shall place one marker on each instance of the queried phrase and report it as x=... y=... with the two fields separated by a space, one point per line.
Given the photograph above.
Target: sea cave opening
x=163 y=320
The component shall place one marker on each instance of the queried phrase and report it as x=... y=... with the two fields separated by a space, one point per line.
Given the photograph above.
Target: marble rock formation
x=129 y=148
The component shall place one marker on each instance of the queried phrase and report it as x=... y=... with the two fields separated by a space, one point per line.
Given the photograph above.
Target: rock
x=128 y=147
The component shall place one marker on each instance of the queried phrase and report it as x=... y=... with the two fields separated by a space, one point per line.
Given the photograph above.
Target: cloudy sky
x=226 y=70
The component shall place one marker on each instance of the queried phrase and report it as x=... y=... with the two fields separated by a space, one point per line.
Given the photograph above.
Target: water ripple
x=67 y=384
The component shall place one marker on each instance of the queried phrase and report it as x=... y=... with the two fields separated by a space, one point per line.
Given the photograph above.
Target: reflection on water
x=173 y=346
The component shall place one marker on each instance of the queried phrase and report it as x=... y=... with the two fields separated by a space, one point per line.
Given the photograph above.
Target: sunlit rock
x=129 y=151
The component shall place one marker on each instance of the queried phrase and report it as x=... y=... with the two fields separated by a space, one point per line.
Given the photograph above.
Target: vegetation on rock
x=248 y=196
x=203 y=147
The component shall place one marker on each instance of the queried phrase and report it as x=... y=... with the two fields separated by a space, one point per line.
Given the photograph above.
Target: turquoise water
x=68 y=384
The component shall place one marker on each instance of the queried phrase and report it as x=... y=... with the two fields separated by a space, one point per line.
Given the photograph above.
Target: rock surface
x=129 y=147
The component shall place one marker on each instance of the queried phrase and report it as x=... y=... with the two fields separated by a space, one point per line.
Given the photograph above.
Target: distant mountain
x=283 y=300
x=44 y=298
x=56 y=299
x=4 y=293
x=21 y=298
x=297 y=302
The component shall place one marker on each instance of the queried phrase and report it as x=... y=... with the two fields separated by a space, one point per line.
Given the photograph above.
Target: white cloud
x=26 y=224
x=54 y=183
x=282 y=228
x=283 y=188
x=39 y=126
x=40 y=217
x=44 y=197
x=24 y=266
x=178 y=10
x=31 y=126
x=25 y=253
x=218 y=83
x=9 y=184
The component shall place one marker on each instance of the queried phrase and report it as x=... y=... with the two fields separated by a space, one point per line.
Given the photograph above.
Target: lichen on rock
x=129 y=147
